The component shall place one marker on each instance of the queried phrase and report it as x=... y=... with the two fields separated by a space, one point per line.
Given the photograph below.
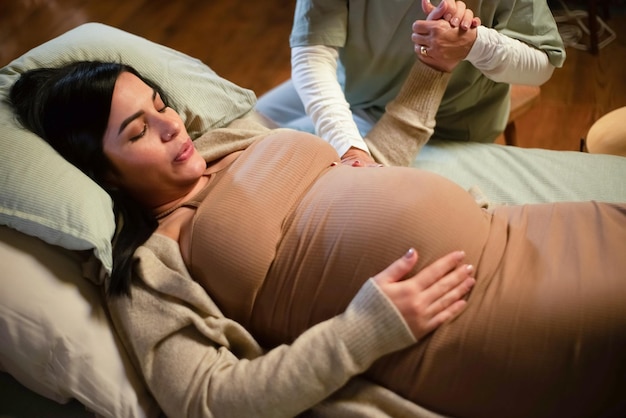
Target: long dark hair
x=69 y=108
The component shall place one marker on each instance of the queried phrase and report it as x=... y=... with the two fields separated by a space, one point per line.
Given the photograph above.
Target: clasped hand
x=446 y=36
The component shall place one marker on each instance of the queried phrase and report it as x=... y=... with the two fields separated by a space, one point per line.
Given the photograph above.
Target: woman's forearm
x=291 y=379
x=409 y=119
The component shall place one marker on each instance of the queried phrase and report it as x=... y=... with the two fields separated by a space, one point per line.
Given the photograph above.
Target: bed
x=59 y=352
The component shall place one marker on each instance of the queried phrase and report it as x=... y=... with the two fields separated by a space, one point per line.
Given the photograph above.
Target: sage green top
x=373 y=39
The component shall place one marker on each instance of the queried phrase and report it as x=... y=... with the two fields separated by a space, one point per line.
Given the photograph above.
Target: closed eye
x=159 y=104
x=141 y=134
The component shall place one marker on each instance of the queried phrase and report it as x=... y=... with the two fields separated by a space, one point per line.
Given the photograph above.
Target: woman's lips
x=185 y=152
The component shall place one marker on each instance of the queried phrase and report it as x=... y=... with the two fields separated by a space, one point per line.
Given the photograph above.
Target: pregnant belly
x=350 y=226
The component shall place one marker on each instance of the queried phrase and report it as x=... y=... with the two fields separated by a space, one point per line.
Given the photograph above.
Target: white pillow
x=42 y=194
x=56 y=337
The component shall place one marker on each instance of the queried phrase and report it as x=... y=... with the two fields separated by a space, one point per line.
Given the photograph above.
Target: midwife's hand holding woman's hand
x=431 y=297
x=446 y=36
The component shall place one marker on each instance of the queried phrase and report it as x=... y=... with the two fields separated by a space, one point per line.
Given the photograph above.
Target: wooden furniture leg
x=523 y=98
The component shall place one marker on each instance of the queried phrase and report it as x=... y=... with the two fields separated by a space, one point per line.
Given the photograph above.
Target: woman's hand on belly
x=432 y=296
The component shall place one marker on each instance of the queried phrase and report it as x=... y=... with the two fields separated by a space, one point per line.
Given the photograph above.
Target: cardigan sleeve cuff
x=372 y=326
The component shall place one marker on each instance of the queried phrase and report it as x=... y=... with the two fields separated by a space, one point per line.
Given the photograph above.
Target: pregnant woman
x=546 y=317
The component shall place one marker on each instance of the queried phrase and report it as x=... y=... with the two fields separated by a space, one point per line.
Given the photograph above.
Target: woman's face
x=151 y=154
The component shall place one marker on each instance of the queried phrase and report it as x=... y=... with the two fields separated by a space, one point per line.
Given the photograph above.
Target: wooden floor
x=247 y=43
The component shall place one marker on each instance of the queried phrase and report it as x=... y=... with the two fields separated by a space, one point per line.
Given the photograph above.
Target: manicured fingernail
x=455 y=21
x=469 y=268
x=448 y=16
x=409 y=254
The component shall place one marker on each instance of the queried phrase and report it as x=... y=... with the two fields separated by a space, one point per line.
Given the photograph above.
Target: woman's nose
x=170 y=129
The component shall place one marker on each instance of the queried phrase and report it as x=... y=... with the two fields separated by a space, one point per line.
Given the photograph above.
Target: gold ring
x=423 y=50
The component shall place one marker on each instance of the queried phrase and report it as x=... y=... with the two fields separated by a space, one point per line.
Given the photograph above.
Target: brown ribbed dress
x=283 y=240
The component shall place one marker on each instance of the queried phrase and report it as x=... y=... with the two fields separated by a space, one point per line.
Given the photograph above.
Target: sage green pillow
x=44 y=196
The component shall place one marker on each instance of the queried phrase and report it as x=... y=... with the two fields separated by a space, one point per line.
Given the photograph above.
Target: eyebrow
x=135 y=115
